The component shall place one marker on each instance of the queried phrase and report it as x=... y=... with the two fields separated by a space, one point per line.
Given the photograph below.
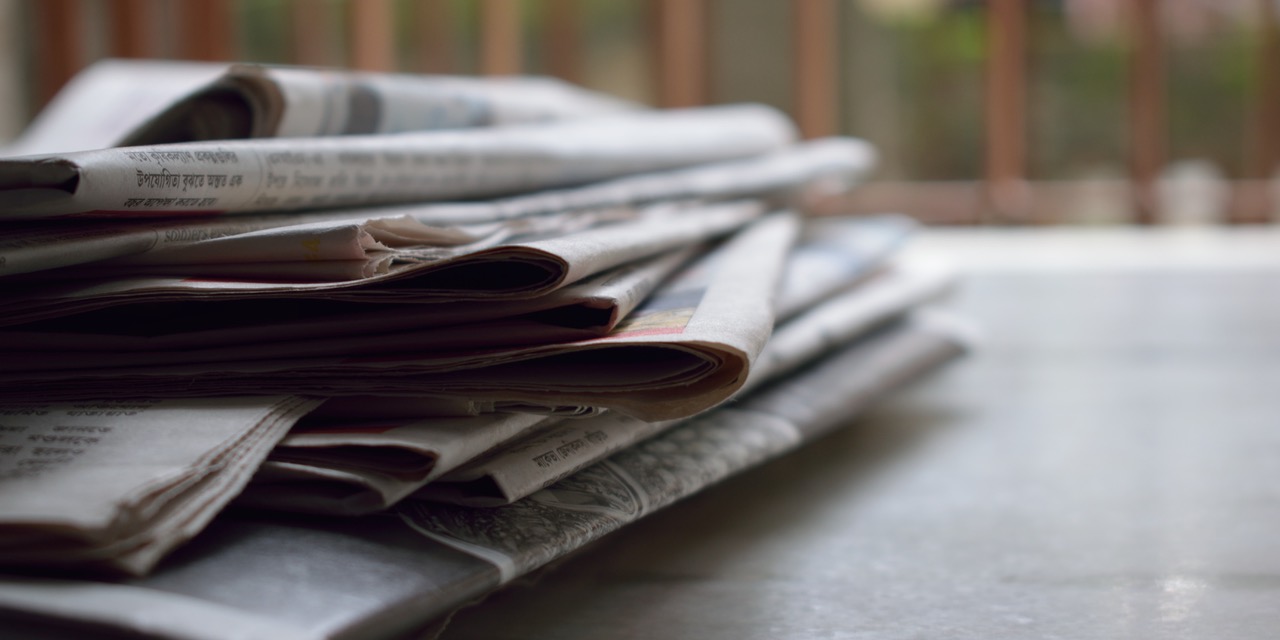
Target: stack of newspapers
x=299 y=354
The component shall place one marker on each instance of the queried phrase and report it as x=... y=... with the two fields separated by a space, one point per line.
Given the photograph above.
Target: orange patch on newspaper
x=666 y=322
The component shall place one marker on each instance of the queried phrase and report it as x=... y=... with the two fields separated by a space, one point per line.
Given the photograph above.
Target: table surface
x=1106 y=465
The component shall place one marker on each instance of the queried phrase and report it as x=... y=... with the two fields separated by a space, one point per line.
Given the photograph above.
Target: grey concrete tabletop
x=1105 y=465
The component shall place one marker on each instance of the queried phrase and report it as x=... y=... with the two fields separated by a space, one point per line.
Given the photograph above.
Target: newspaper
x=112 y=485
x=256 y=101
x=306 y=173
x=537 y=461
x=589 y=308
x=816 y=168
x=256 y=576
x=518 y=261
x=687 y=348
x=833 y=255
x=106 y=100
x=351 y=468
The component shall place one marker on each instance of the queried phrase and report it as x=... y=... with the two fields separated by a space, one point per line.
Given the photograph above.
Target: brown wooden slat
x=59 y=42
x=1147 y=108
x=563 y=39
x=680 y=51
x=311 y=31
x=500 y=38
x=132 y=23
x=371 y=36
x=814 y=70
x=1006 y=110
x=207 y=31
x=1254 y=201
x=435 y=26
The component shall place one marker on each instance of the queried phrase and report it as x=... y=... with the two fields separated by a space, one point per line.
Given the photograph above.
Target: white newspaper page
x=517 y=470
x=587 y=309
x=242 y=577
x=36 y=246
x=685 y=349
x=107 y=99
x=345 y=171
x=838 y=252
x=257 y=101
x=661 y=470
x=356 y=467
x=524 y=265
x=114 y=484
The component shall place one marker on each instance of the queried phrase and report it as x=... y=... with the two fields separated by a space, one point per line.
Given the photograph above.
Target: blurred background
x=985 y=112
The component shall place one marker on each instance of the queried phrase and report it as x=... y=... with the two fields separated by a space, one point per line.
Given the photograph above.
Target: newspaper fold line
x=684 y=350
x=519 y=267
x=70 y=498
x=301 y=173
x=368 y=577
x=589 y=308
x=834 y=254
x=791 y=175
x=516 y=471
x=270 y=101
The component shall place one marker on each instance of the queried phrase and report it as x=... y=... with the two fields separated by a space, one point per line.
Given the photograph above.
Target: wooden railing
x=678 y=47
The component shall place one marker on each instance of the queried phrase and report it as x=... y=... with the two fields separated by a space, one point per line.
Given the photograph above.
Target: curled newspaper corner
x=269 y=101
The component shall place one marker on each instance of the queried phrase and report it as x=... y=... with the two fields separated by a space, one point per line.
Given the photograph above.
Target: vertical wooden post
x=207 y=32
x=814 y=67
x=132 y=23
x=371 y=36
x=680 y=46
x=59 y=39
x=311 y=31
x=500 y=43
x=434 y=27
x=563 y=39
x=1006 y=107
x=1147 y=108
x=1255 y=200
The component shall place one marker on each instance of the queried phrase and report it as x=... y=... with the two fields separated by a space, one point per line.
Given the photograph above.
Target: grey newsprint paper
x=275 y=577
x=686 y=356
x=791 y=176
x=280 y=174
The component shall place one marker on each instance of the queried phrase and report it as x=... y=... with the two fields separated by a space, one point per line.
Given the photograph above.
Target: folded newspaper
x=308 y=173
x=788 y=177
x=259 y=101
x=262 y=576
x=616 y=265
x=116 y=484
x=687 y=348
x=362 y=463
x=142 y=102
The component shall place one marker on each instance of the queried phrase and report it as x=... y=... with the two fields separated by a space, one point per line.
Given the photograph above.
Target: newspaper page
x=846 y=247
x=261 y=101
x=684 y=350
x=509 y=270
x=831 y=164
x=106 y=100
x=113 y=485
x=838 y=252
x=301 y=173
x=589 y=308
x=366 y=577
x=358 y=467
x=661 y=470
x=517 y=470
x=521 y=265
